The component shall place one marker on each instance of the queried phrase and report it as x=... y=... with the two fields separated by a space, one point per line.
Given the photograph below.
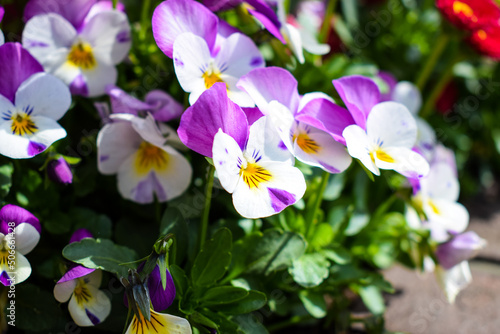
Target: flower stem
x=441 y=43
x=290 y=322
x=145 y=19
x=206 y=208
x=316 y=200
x=325 y=27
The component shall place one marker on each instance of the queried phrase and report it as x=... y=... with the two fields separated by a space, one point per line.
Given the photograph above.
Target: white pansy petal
x=13 y=146
x=6 y=109
x=109 y=34
x=359 y=146
x=174 y=180
x=191 y=59
x=66 y=72
x=49 y=38
x=129 y=182
x=45 y=94
x=452 y=216
x=391 y=124
x=412 y=218
x=283 y=120
x=92 y=311
x=160 y=323
x=318 y=148
x=23 y=268
x=294 y=41
x=64 y=291
x=404 y=161
x=94 y=278
x=99 y=78
x=306 y=98
x=408 y=94
x=148 y=130
x=49 y=131
x=227 y=157
x=238 y=55
x=26 y=237
x=115 y=143
x=235 y=94
x=265 y=139
x=441 y=183
x=285 y=186
x=426 y=138
x=454 y=280
x=2 y=38
x=310 y=43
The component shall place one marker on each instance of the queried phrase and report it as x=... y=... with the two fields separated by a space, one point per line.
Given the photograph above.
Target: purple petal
x=59 y=171
x=327 y=116
x=261 y=85
x=160 y=298
x=4 y=279
x=80 y=234
x=75 y=272
x=99 y=7
x=252 y=114
x=14 y=214
x=461 y=248
x=93 y=318
x=280 y=199
x=359 y=94
x=74 y=10
x=266 y=15
x=16 y=65
x=391 y=82
x=221 y=5
x=35 y=148
x=123 y=103
x=174 y=17
x=147 y=188
x=163 y=106
x=2 y=12
x=212 y=111
x=79 y=86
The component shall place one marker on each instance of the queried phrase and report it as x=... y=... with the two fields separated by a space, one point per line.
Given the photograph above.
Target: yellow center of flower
x=381 y=155
x=82 y=56
x=434 y=207
x=254 y=175
x=23 y=125
x=306 y=144
x=211 y=77
x=142 y=326
x=150 y=157
x=464 y=9
x=482 y=34
x=81 y=292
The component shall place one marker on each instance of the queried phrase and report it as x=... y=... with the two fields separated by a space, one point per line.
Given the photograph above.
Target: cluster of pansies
x=248 y=119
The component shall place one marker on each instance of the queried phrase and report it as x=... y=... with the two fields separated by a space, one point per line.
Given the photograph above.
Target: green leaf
x=250 y=324
x=241 y=250
x=334 y=187
x=98 y=224
x=275 y=251
x=337 y=254
x=372 y=297
x=35 y=309
x=199 y=318
x=6 y=172
x=252 y=302
x=310 y=270
x=100 y=254
x=322 y=236
x=213 y=260
x=357 y=222
x=180 y=279
x=314 y=303
x=223 y=295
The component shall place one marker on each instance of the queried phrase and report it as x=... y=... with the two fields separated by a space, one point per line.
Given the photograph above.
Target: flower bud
x=461 y=248
x=59 y=171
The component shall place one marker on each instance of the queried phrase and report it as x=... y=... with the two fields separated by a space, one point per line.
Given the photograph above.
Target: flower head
x=58 y=170
x=486 y=41
x=19 y=234
x=461 y=247
x=469 y=14
x=81 y=43
x=140 y=154
x=158 y=324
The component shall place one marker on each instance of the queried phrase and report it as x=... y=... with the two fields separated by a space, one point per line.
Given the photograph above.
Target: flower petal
x=92 y=311
x=164 y=106
x=26 y=237
x=73 y=273
x=294 y=41
x=212 y=111
x=391 y=124
x=74 y=11
x=454 y=280
x=408 y=94
x=404 y=161
x=161 y=299
x=23 y=268
x=451 y=216
x=441 y=183
x=226 y=155
x=360 y=94
x=99 y=78
x=160 y=323
x=359 y=146
x=174 y=17
x=64 y=290
x=46 y=94
x=460 y=248
x=15 y=214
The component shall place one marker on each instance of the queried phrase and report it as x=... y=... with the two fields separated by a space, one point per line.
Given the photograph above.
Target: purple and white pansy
x=31 y=102
x=141 y=155
x=188 y=32
x=80 y=42
x=309 y=126
x=250 y=161
x=88 y=306
x=19 y=234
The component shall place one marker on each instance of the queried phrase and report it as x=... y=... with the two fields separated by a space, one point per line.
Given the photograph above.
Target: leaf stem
x=325 y=27
x=145 y=19
x=440 y=45
x=316 y=200
x=206 y=208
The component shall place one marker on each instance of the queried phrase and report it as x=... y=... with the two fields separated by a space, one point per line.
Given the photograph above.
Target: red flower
x=487 y=41
x=470 y=14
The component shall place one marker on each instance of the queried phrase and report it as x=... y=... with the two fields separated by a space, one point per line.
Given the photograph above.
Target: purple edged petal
x=221 y=5
x=78 y=86
x=359 y=94
x=161 y=299
x=75 y=272
x=80 y=234
x=266 y=15
x=327 y=116
x=174 y=17
x=74 y=11
x=163 y=106
x=253 y=114
x=16 y=65
x=123 y=103
x=261 y=85
x=102 y=6
x=2 y=12
x=212 y=111
x=17 y=215
x=461 y=248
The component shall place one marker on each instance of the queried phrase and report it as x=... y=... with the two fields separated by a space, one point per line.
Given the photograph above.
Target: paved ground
x=420 y=306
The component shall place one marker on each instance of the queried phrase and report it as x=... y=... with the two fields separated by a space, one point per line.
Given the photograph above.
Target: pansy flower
x=19 y=234
x=31 y=102
x=88 y=306
x=140 y=154
x=80 y=42
x=469 y=14
x=300 y=121
x=250 y=162
x=187 y=31
x=158 y=324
